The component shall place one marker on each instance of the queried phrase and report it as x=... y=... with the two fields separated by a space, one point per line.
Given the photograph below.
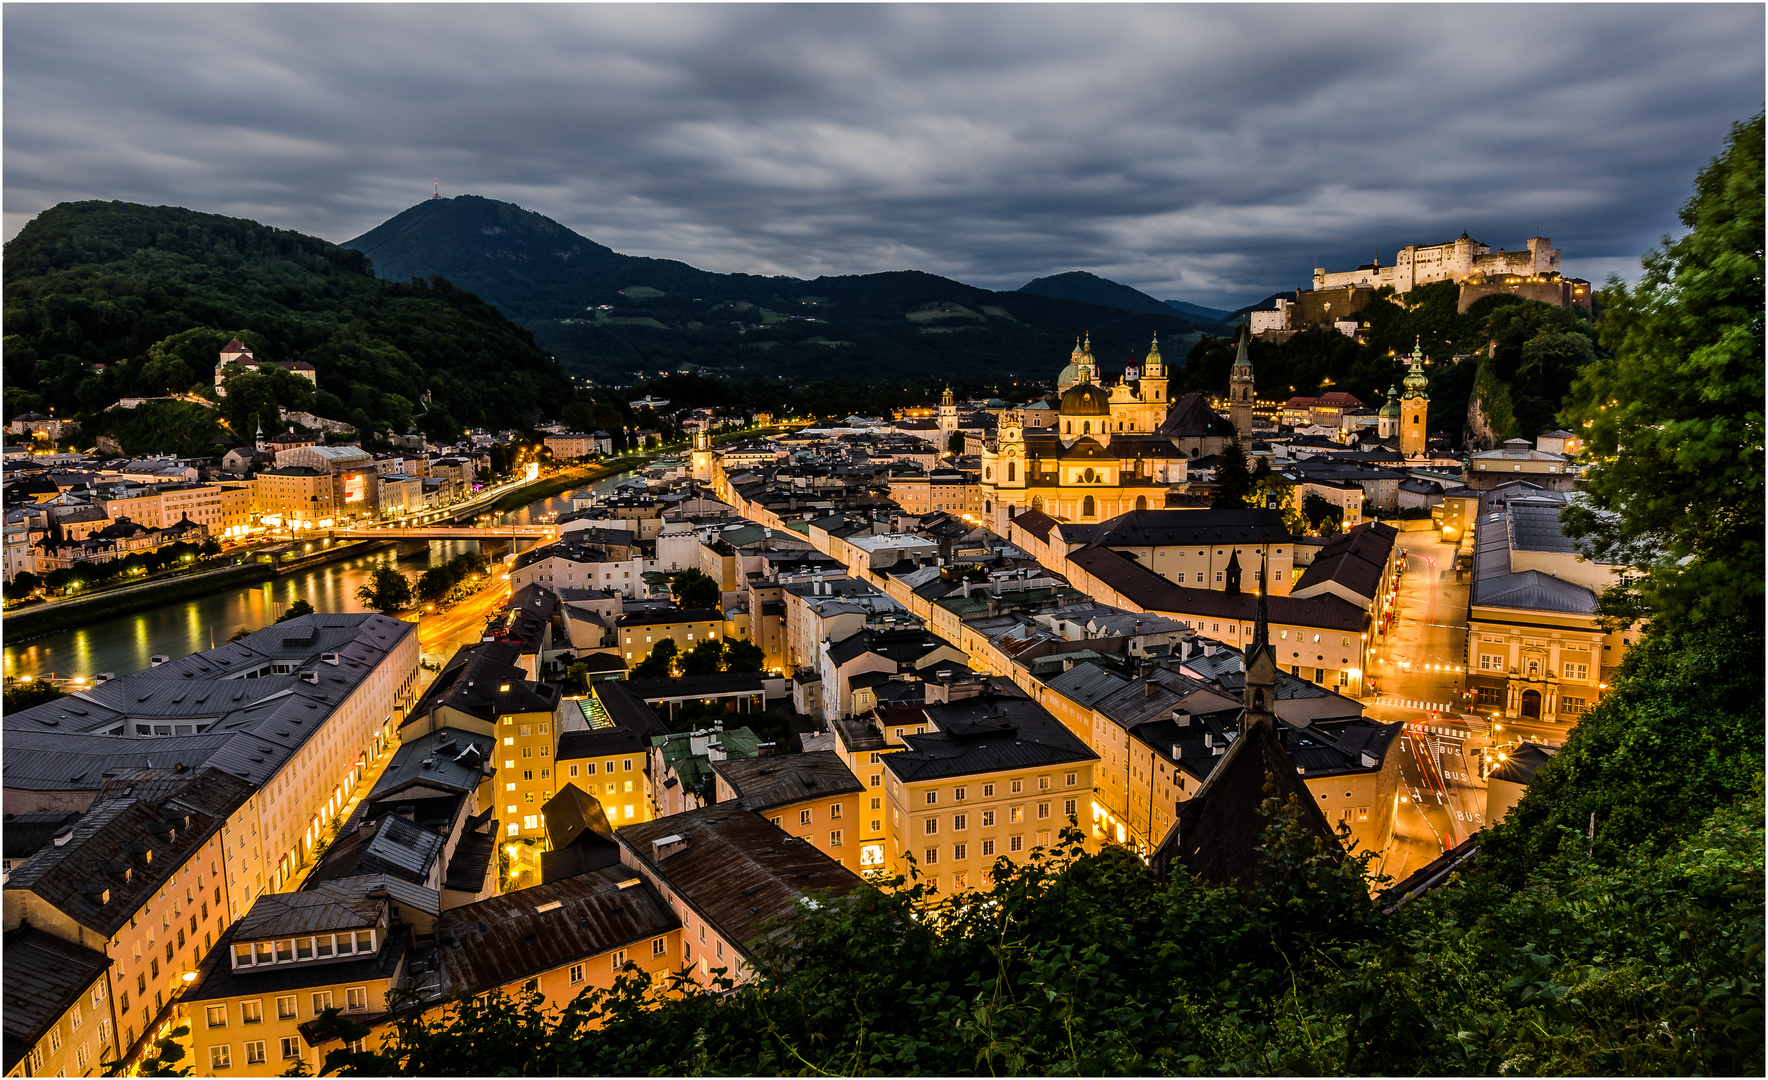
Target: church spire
x=1259 y=662
x=1243 y=363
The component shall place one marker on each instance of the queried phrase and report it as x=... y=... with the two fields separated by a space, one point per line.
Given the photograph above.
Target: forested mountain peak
x=107 y=300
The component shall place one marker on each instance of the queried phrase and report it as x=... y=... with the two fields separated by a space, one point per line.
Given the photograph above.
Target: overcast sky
x=1205 y=153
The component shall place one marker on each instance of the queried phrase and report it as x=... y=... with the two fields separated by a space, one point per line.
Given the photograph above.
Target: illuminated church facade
x=1110 y=450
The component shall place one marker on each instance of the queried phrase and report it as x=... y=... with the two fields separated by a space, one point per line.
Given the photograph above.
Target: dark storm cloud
x=1208 y=153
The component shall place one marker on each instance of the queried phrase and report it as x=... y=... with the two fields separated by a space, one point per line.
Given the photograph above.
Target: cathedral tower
x=1414 y=407
x=1154 y=380
x=1240 y=394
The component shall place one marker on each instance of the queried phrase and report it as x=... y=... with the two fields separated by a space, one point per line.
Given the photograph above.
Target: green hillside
x=152 y=293
x=610 y=315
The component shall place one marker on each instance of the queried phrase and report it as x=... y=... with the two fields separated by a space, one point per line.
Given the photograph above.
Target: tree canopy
x=1673 y=419
x=153 y=293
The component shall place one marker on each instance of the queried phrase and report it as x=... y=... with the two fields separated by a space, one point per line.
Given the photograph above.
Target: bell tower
x=1414 y=406
x=1240 y=393
x=948 y=419
x=701 y=459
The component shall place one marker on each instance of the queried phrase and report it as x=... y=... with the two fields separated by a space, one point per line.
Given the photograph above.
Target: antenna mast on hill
x=438 y=193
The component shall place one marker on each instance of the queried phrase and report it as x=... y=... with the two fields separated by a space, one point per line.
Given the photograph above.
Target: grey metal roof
x=983 y=735
x=250 y=726
x=507 y=938
x=45 y=975
x=122 y=850
x=737 y=870
x=763 y=783
x=335 y=905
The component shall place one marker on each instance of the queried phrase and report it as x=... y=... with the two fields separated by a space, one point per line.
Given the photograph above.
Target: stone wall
x=1560 y=292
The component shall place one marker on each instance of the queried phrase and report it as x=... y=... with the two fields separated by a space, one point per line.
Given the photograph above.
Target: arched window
x=1086 y=507
x=988 y=473
x=1071 y=427
x=987 y=507
x=1416 y=418
x=1012 y=471
x=1141 y=502
x=1086 y=427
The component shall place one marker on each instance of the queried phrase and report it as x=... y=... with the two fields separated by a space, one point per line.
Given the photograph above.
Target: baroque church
x=1109 y=450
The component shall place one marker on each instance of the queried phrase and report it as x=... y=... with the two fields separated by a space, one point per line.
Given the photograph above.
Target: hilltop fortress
x=1338 y=296
x=1460 y=259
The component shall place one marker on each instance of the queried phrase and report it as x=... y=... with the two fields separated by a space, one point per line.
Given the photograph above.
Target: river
x=129 y=643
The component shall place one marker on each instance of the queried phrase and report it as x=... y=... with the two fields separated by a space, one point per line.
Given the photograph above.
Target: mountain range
x=611 y=316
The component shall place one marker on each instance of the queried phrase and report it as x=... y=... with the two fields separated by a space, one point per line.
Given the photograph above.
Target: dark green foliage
x=435 y=584
x=660 y=664
x=25 y=695
x=741 y=654
x=706 y=658
x=386 y=590
x=160 y=427
x=1674 y=419
x=694 y=589
x=155 y=291
x=295 y=611
x=1233 y=480
x=1323 y=517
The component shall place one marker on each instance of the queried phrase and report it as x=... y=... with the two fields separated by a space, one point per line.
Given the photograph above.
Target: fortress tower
x=1414 y=407
x=1240 y=393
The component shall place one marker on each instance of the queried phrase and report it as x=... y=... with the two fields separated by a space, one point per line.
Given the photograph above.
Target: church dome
x=1391 y=410
x=1085 y=399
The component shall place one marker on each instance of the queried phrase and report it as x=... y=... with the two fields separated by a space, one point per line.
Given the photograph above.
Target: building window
x=321 y=1001
x=804 y=817
x=221 y=1057
x=988 y=791
x=987 y=848
x=1490 y=695
x=657 y=947
x=576 y=974
x=285 y=1007
x=1578 y=672
x=291 y=1048
x=932 y=854
x=931 y=826
x=960 y=822
x=1068 y=808
x=217 y=1016
x=618 y=959
x=877 y=825
x=1015 y=843
x=1491 y=662
x=871 y=855
x=1043 y=810
x=251 y=1012
x=356 y=998
x=255 y=1052
x=1015 y=815
x=835 y=838
x=1017 y=786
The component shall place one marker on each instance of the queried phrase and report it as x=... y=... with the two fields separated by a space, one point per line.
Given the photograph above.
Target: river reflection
x=129 y=643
